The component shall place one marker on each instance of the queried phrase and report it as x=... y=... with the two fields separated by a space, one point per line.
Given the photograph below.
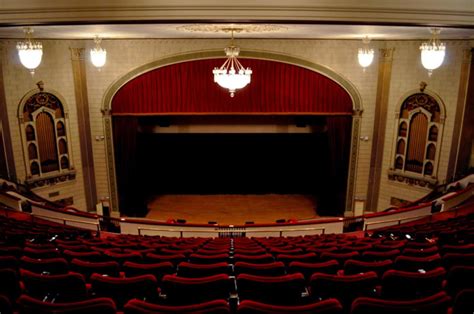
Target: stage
x=232 y=208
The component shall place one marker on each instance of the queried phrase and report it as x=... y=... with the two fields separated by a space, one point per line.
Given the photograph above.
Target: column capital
x=77 y=53
x=386 y=54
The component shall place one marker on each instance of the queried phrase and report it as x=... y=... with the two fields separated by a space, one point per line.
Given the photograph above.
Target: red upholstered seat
x=459 y=278
x=266 y=269
x=457 y=259
x=271 y=289
x=435 y=304
x=158 y=258
x=276 y=251
x=9 y=284
x=464 y=302
x=185 y=252
x=398 y=284
x=409 y=263
x=182 y=291
x=352 y=267
x=250 y=251
x=254 y=259
x=92 y=256
x=420 y=252
x=87 y=268
x=288 y=258
x=122 y=257
x=9 y=262
x=308 y=269
x=329 y=306
x=123 y=289
x=158 y=270
x=11 y=251
x=457 y=248
x=380 y=255
x=41 y=253
x=344 y=288
x=340 y=257
x=5 y=305
x=208 y=259
x=211 y=307
x=60 y=288
x=29 y=305
x=192 y=270
x=53 y=266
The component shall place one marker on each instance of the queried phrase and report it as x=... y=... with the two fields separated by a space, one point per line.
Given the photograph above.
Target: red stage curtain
x=188 y=87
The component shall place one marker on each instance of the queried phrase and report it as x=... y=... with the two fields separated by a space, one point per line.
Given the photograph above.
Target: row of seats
x=291 y=271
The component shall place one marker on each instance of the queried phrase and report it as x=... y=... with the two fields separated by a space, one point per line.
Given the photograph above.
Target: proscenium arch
x=212 y=54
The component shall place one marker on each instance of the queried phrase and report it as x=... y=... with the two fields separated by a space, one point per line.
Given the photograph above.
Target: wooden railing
x=399 y=220
x=287 y=230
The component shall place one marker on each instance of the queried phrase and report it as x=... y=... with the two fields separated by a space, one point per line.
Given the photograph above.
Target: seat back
x=288 y=258
x=267 y=269
x=464 y=302
x=273 y=290
x=459 y=278
x=329 y=306
x=9 y=284
x=58 y=288
x=308 y=269
x=352 y=267
x=191 y=270
x=53 y=266
x=208 y=259
x=344 y=288
x=435 y=304
x=29 y=305
x=398 y=284
x=158 y=270
x=408 y=263
x=211 y=307
x=184 y=291
x=87 y=268
x=254 y=259
x=123 y=289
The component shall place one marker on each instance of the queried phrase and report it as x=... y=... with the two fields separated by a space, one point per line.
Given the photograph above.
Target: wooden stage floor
x=232 y=209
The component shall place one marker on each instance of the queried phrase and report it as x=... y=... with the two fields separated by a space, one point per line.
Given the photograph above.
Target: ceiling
x=276 y=31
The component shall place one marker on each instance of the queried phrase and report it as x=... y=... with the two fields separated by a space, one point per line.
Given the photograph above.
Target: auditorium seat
x=10 y=262
x=5 y=305
x=250 y=251
x=267 y=269
x=409 y=263
x=123 y=289
x=329 y=306
x=29 y=305
x=459 y=278
x=173 y=251
x=58 y=288
x=458 y=248
x=15 y=251
x=91 y=256
x=175 y=259
x=122 y=257
x=464 y=302
x=158 y=270
x=185 y=291
x=290 y=251
x=308 y=269
x=41 y=253
x=191 y=270
x=352 y=267
x=435 y=304
x=340 y=257
x=208 y=259
x=420 y=252
x=73 y=247
x=343 y=287
x=457 y=259
x=210 y=307
x=211 y=252
x=254 y=259
x=373 y=256
x=283 y=290
x=288 y=258
x=9 y=284
x=87 y=268
x=53 y=266
x=398 y=284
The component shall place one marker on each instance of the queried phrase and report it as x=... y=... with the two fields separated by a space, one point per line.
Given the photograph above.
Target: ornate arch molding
x=63 y=174
x=409 y=177
x=326 y=71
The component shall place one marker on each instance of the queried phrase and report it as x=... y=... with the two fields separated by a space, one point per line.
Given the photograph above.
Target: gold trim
x=211 y=54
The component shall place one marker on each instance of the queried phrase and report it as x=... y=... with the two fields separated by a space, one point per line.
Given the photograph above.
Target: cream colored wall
x=56 y=73
x=407 y=73
x=339 y=55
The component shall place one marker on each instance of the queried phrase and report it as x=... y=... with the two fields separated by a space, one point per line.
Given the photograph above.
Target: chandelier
x=29 y=51
x=432 y=52
x=98 y=54
x=365 y=55
x=232 y=75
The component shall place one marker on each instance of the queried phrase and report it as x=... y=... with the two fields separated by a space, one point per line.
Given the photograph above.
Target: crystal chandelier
x=98 y=54
x=365 y=55
x=232 y=75
x=29 y=51
x=432 y=52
